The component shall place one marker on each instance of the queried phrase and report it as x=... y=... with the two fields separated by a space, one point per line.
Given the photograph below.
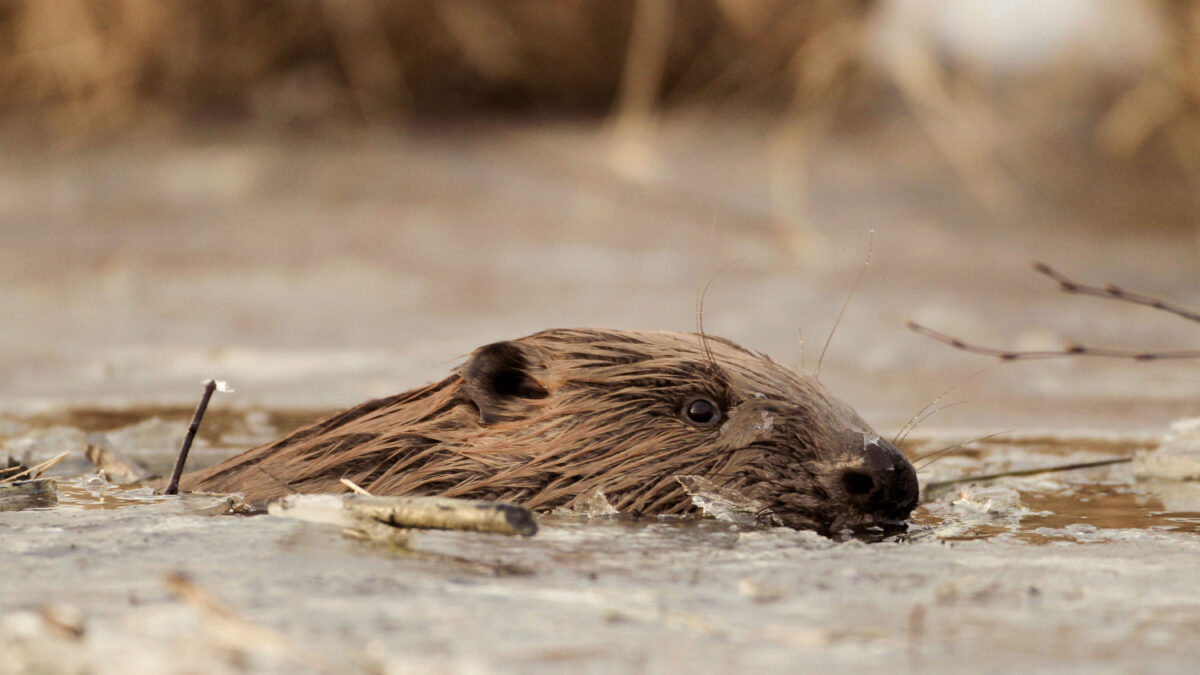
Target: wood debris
x=391 y=518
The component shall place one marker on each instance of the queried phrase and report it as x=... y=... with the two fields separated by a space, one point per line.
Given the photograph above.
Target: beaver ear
x=499 y=375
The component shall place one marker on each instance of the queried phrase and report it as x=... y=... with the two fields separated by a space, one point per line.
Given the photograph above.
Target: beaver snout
x=884 y=486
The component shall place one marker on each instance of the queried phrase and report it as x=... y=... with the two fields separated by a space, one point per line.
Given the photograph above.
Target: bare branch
x=1114 y=292
x=1068 y=285
x=1068 y=350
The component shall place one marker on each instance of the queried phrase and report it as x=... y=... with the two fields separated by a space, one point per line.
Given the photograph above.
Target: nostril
x=857 y=483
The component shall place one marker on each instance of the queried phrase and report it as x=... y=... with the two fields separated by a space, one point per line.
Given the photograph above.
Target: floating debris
x=181 y=460
x=354 y=487
x=390 y=518
x=28 y=494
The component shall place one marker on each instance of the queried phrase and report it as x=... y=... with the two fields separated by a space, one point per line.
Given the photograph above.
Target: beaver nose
x=885 y=484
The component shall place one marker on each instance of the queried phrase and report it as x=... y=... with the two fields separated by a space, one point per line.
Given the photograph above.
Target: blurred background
x=328 y=200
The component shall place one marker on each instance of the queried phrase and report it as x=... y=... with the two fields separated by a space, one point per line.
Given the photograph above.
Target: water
x=374 y=261
x=1072 y=568
x=1057 y=505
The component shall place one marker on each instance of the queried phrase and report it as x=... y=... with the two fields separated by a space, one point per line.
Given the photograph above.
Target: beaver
x=556 y=417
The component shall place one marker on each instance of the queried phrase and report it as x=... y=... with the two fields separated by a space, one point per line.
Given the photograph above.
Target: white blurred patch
x=1176 y=458
x=1016 y=36
x=222 y=386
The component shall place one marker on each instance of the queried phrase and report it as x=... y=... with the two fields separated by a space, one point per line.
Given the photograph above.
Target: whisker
x=800 y=332
x=903 y=437
x=701 y=296
x=916 y=419
x=837 y=322
x=945 y=452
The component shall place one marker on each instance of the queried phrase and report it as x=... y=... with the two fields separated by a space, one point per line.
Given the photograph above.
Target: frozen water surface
x=318 y=274
x=1046 y=570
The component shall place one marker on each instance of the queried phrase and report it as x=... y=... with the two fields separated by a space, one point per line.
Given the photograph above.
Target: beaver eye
x=702 y=411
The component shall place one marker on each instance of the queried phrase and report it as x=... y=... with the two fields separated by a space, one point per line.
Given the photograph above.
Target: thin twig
x=173 y=487
x=1069 y=350
x=929 y=487
x=1068 y=285
x=1114 y=292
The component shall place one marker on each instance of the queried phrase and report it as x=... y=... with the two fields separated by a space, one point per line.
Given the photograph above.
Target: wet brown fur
x=569 y=413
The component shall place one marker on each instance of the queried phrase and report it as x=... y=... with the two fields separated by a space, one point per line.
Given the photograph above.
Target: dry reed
x=81 y=65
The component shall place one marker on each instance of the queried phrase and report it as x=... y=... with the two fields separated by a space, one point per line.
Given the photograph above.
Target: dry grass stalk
x=35 y=471
x=1166 y=100
x=96 y=64
x=1161 y=111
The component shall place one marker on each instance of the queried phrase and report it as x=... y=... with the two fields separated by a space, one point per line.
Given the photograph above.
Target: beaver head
x=556 y=417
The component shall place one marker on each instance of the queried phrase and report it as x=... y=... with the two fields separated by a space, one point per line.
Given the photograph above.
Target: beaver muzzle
x=881 y=489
